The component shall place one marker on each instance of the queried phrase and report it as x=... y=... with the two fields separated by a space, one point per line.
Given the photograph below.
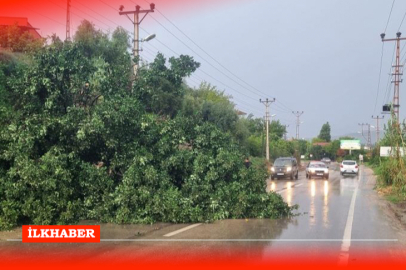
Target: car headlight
x=288 y=169
x=273 y=169
x=312 y=170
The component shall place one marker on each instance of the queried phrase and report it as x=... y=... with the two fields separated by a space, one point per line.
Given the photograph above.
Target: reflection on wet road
x=343 y=207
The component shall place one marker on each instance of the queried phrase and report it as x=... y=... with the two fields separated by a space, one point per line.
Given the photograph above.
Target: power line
x=379 y=78
x=79 y=15
x=387 y=92
x=201 y=56
x=98 y=13
x=205 y=59
x=402 y=22
x=207 y=74
x=87 y=14
x=217 y=80
x=390 y=13
x=282 y=109
x=45 y=16
x=209 y=55
x=200 y=69
x=115 y=9
x=284 y=105
x=198 y=46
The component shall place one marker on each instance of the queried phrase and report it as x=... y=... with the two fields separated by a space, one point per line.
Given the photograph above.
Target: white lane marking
x=283 y=190
x=182 y=230
x=345 y=246
x=236 y=240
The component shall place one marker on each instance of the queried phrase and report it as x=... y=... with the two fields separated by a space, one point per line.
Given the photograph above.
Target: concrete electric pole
x=68 y=21
x=377 y=118
x=368 y=138
x=398 y=72
x=136 y=22
x=297 y=114
x=267 y=104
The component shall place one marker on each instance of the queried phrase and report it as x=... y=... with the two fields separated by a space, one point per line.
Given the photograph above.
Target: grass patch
x=395 y=198
x=389 y=193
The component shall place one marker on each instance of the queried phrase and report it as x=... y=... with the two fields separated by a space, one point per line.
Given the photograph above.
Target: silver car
x=317 y=168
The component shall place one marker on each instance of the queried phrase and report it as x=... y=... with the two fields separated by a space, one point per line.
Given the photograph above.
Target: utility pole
x=397 y=73
x=136 y=22
x=297 y=114
x=263 y=139
x=368 y=138
x=267 y=103
x=68 y=21
x=285 y=133
x=377 y=118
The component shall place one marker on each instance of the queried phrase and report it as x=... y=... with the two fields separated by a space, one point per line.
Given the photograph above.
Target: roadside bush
x=393 y=172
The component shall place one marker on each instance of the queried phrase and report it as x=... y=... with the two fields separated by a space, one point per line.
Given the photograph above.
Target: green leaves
x=77 y=143
x=325 y=132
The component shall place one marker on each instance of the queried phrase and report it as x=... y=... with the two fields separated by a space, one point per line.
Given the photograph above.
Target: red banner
x=61 y=234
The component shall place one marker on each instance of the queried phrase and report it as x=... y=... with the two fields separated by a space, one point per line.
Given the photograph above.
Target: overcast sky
x=317 y=56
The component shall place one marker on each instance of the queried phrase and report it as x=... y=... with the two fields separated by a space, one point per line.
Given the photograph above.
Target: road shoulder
x=397 y=211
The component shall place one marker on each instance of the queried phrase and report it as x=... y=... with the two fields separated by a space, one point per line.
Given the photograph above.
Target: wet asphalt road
x=342 y=219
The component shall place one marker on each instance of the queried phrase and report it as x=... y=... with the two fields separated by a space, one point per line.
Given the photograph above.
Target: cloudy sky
x=322 y=57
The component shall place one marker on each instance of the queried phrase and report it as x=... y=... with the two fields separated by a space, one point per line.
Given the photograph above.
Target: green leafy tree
x=317 y=152
x=255 y=125
x=302 y=147
x=325 y=132
x=276 y=130
x=332 y=149
x=207 y=103
x=77 y=143
x=160 y=88
x=281 y=148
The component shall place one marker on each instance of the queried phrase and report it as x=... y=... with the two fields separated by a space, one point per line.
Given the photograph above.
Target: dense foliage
x=325 y=132
x=78 y=141
x=392 y=170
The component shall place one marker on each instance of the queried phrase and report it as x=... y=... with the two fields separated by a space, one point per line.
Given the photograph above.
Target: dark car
x=285 y=167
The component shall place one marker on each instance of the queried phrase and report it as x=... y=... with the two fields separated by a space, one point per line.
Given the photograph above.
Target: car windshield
x=283 y=162
x=349 y=162
x=317 y=165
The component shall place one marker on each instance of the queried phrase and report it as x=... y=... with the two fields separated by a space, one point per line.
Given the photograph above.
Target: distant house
x=322 y=144
x=22 y=23
x=240 y=113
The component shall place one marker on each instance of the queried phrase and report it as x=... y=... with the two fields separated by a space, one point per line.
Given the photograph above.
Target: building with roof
x=322 y=144
x=21 y=23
